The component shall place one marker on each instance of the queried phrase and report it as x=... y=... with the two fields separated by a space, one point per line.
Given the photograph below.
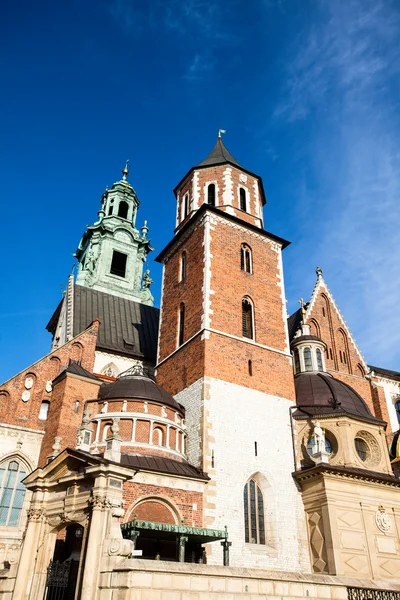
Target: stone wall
x=136 y=579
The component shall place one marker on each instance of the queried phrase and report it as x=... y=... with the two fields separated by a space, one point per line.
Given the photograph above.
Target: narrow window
x=185 y=206
x=183 y=266
x=340 y=356
x=212 y=459
x=12 y=493
x=111 y=207
x=397 y=407
x=253 y=513
x=307 y=359
x=330 y=353
x=319 y=360
x=181 y=334
x=246 y=263
x=250 y=366
x=76 y=407
x=243 y=203
x=247 y=318
x=123 y=209
x=255 y=448
x=44 y=410
x=211 y=194
x=323 y=311
x=296 y=361
x=118 y=264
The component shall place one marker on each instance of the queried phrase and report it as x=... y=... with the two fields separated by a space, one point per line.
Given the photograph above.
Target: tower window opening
x=183 y=266
x=44 y=410
x=307 y=359
x=253 y=513
x=211 y=194
x=246 y=263
x=242 y=199
x=319 y=360
x=181 y=331
x=185 y=206
x=250 y=367
x=247 y=318
x=118 y=264
x=123 y=209
x=110 y=210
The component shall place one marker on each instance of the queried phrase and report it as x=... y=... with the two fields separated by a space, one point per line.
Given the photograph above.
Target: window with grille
x=254 y=525
x=242 y=199
x=12 y=493
x=211 y=194
x=181 y=333
x=185 y=206
x=319 y=360
x=296 y=361
x=307 y=359
x=183 y=266
x=247 y=319
x=246 y=263
x=44 y=410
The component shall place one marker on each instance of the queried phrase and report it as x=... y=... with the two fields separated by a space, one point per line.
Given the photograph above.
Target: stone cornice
x=346 y=473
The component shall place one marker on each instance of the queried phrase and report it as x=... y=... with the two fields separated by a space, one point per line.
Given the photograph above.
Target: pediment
x=68 y=464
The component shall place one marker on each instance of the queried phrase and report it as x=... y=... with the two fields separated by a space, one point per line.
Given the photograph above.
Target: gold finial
x=220 y=131
x=302 y=307
x=125 y=170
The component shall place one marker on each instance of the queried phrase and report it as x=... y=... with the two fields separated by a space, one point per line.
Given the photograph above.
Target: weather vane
x=220 y=131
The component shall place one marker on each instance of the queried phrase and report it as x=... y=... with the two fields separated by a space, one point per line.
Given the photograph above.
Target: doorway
x=62 y=573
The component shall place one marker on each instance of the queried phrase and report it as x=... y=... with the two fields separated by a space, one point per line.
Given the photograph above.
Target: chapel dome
x=136 y=385
x=321 y=394
x=306 y=338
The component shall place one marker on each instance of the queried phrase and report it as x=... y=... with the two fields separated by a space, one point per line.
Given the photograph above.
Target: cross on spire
x=302 y=307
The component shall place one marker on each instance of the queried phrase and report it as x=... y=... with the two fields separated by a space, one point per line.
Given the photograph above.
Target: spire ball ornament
x=125 y=170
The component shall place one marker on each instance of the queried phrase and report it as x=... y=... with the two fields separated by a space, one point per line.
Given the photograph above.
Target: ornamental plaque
x=28 y=383
x=383 y=520
x=25 y=396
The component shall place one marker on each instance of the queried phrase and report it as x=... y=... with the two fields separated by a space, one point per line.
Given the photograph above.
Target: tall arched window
x=181 y=329
x=183 y=266
x=254 y=525
x=242 y=199
x=111 y=207
x=123 y=209
x=157 y=436
x=246 y=263
x=320 y=365
x=307 y=359
x=397 y=407
x=211 y=194
x=12 y=492
x=185 y=206
x=44 y=410
x=247 y=318
x=296 y=361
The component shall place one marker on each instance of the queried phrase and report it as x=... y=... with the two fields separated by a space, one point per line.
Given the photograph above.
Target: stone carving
x=86 y=418
x=25 y=396
x=119 y=547
x=29 y=383
x=374 y=454
x=145 y=293
x=35 y=514
x=164 y=412
x=124 y=406
x=105 y=407
x=383 y=520
x=317 y=543
x=90 y=261
x=49 y=386
x=115 y=426
x=319 y=437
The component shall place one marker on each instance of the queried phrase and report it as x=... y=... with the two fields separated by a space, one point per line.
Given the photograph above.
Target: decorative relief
x=383 y=520
x=373 y=457
x=317 y=543
x=25 y=396
x=35 y=514
x=29 y=383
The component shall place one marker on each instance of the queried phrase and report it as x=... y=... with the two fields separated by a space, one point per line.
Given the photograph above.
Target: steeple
x=219 y=155
x=112 y=252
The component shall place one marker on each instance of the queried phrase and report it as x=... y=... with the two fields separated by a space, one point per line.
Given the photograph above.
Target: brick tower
x=224 y=354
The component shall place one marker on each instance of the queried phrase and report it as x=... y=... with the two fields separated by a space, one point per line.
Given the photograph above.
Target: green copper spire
x=112 y=252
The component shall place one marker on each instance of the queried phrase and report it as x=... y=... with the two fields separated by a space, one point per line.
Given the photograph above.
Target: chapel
x=214 y=447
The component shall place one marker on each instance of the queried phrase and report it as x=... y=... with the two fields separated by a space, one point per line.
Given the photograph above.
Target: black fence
x=365 y=594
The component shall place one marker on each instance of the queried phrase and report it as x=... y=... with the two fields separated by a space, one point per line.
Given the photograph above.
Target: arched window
x=320 y=365
x=44 y=410
x=12 y=492
x=254 y=526
x=185 y=206
x=296 y=361
x=360 y=370
x=247 y=318
x=246 y=263
x=181 y=329
x=397 y=407
x=242 y=199
x=307 y=359
x=123 y=209
x=183 y=266
x=111 y=207
x=157 y=436
x=211 y=194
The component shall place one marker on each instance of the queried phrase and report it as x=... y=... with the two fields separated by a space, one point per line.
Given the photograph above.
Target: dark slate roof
x=218 y=155
x=126 y=327
x=294 y=323
x=139 y=387
x=144 y=462
x=322 y=394
x=386 y=373
x=76 y=369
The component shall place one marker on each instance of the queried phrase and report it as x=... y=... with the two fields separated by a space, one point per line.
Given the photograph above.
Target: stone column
x=27 y=563
x=226 y=545
x=94 y=548
x=182 y=539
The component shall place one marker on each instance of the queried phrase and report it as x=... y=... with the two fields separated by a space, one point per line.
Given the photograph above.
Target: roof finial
x=125 y=170
x=318 y=271
x=302 y=308
x=220 y=131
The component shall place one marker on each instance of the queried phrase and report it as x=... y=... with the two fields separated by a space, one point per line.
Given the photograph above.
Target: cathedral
x=215 y=448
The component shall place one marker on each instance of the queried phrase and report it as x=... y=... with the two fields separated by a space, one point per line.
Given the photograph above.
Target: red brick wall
x=16 y=412
x=182 y=500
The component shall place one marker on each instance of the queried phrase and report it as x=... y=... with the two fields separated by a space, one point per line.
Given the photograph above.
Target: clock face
x=28 y=383
x=26 y=395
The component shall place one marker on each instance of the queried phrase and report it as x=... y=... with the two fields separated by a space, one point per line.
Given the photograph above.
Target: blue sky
x=307 y=90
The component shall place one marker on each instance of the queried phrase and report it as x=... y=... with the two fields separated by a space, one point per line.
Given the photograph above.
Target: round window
x=362 y=449
x=311 y=447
